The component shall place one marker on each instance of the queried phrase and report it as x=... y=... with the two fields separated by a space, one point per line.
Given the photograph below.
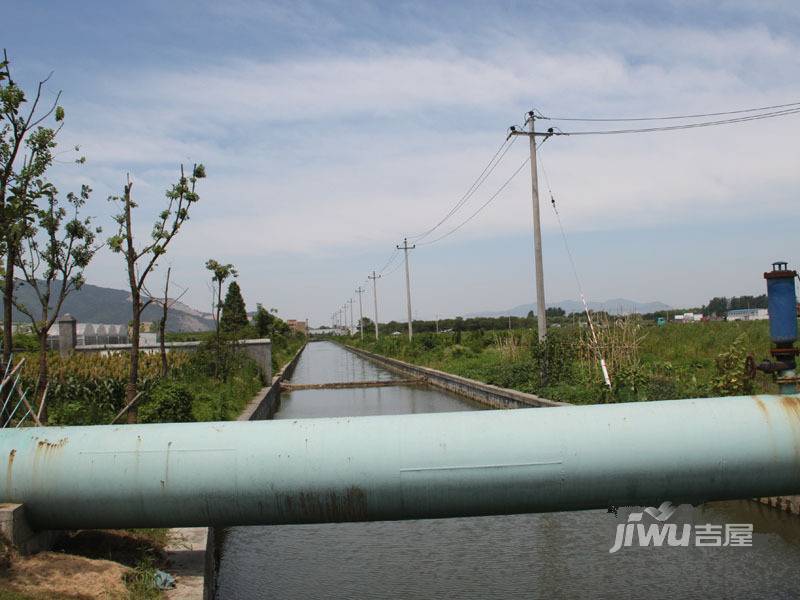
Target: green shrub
x=457 y=351
x=169 y=402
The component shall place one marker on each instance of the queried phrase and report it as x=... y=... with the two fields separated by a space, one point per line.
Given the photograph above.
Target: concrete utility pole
x=352 y=323
x=405 y=248
x=437 y=323
x=537 y=229
x=360 y=291
x=375 y=278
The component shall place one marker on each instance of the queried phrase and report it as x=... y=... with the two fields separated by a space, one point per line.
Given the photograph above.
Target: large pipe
x=404 y=467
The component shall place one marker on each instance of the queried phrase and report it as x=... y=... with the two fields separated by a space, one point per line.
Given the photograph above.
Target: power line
x=484 y=205
x=394 y=269
x=394 y=254
x=670 y=117
x=484 y=175
x=770 y=115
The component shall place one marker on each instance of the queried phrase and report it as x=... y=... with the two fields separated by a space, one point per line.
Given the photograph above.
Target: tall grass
x=645 y=362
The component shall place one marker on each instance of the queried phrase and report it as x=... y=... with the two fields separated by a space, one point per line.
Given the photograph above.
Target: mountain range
x=614 y=306
x=96 y=304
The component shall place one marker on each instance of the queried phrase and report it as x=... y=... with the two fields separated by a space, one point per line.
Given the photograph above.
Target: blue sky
x=332 y=129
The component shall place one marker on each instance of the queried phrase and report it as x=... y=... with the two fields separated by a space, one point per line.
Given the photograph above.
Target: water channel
x=553 y=555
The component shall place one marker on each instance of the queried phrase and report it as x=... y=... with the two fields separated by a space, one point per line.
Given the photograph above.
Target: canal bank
x=537 y=555
x=486 y=394
x=193 y=552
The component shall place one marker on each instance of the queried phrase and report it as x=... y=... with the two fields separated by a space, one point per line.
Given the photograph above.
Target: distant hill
x=614 y=306
x=95 y=304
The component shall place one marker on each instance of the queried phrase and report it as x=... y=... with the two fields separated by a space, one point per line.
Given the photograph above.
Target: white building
x=688 y=317
x=748 y=314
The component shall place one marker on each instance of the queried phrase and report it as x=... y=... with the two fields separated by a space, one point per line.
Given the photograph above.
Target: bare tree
x=26 y=152
x=166 y=304
x=56 y=254
x=141 y=262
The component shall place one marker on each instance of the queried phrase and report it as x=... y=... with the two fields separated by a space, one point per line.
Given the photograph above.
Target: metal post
x=375 y=278
x=405 y=248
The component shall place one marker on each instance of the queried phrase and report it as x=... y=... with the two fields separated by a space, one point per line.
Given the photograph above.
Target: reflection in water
x=323 y=362
x=555 y=555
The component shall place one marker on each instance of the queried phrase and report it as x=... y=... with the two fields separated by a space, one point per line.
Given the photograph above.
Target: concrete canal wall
x=483 y=393
x=263 y=406
x=790 y=504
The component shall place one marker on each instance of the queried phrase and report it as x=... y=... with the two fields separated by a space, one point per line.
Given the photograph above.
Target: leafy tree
x=554 y=311
x=717 y=306
x=263 y=321
x=531 y=315
x=738 y=302
x=219 y=273
x=26 y=152
x=57 y=252
x=141 y=262
x=234 y=313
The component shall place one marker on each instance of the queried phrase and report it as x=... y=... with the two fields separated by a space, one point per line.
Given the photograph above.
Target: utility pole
x=405 y=248
x=375 y=278
x=360 y=291
x=350 y=302
x=537 y=229
x=437 y=322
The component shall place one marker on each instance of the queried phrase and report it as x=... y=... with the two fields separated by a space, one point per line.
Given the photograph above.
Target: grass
x=283 y=351
x=12 y=595
x=223 y=399
x=646 y=362
x=140 y=582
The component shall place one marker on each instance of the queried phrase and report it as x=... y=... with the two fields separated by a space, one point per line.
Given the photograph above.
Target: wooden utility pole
x=360 y=291
x=405 y=248
x=537 y=229
x=375 y=278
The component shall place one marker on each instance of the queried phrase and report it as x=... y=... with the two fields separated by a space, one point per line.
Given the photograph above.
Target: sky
x=331 y=130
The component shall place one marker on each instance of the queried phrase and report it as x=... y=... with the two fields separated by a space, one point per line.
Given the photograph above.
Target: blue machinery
x=782 y=302
x=413 y=466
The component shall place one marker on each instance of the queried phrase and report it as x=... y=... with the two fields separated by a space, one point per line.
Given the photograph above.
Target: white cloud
x=315 y=155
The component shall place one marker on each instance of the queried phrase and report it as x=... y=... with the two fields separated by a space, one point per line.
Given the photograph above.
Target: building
x=688 y=318
x=748 y=314
x=92 y=334
x=298 y=326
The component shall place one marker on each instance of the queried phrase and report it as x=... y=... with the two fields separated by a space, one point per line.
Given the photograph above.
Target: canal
x=553 y=555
